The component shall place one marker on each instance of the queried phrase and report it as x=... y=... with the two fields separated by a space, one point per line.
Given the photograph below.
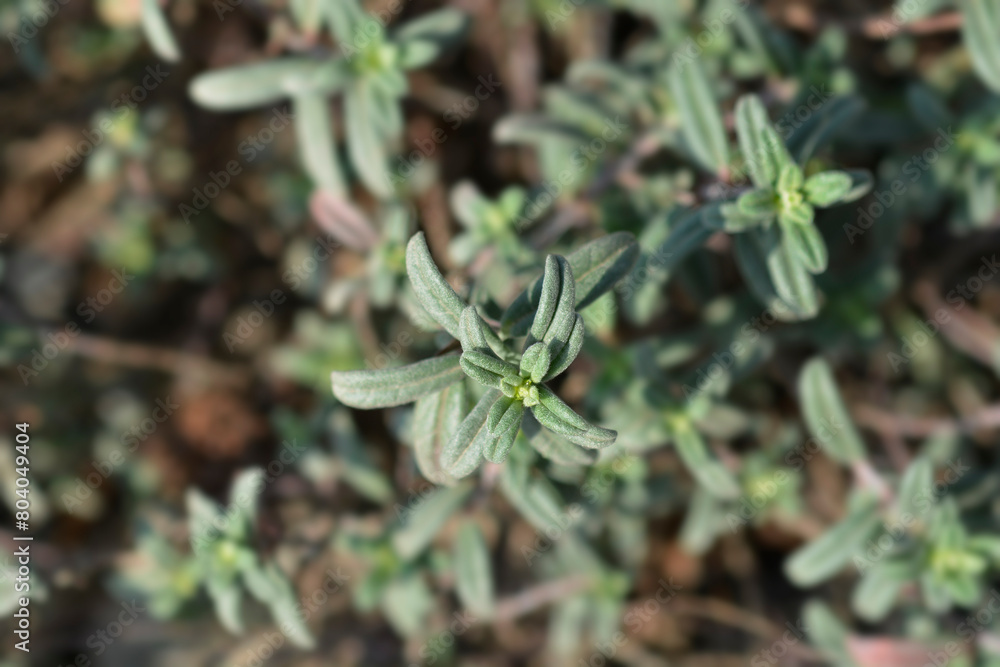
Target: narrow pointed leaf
x=432 y=290
x=980 y=27
x=703 y=466
x=364 y=144
x=535 y=362
x=804 y=239
x=268 y=82
x=396 y=386
x=758 y=204
x=316 y=145
x=427 y=518
x=157 y=29
x=701 y=122
x=568 y=353
x=558 y=417
x=473 y=572
x=486 y=369
x=596 y=267
x=464 y=451
x=554 y=447
x=827 y=188
x=752 y=123
x=826 y=415
x=826 y=555
x=435 y=420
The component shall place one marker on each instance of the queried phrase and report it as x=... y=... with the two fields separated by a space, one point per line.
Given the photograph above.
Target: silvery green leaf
x=710 y=473
x=535 y=129
x=535 y=362
x=245 y=493
x=345 y=19
x=826 y=415
x=862 y=183
x=468 y=204
x=472 y=333
x=980 y=193
x=432 y=290
x=395 y=386
x=473 y=571
x=364 y=144
x=823 y=125
x=555 y=316
x=535 y=499
x=559 y=418
x=829 y=553
x=463 y=453
x=157 y=29
x=828 y=188
x=406 y=603
x=554 y=447
x=703 y=522
x=874 y=596
x=827 y=633
x=227 y=598
x=784 y=287
x=803 y=238
x=596 y=267
x=435 y=420
x=270 y=586
x=980 y=27
x=569 y=351
x=791 y=279
x=915 y=484
x=487 y=370
x=426 y=519
x=701 y=123
x=790 y=178
x=503 y=423
x=752 y=127
x=758 y=204
x=248 y=86
x=423 y=39
x=316 y=145
x=203 y=518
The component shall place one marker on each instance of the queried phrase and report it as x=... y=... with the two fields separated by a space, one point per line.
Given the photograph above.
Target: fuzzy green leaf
x=596 y=267
x=424 y=38
x=268 y=82
x=825 y=414
x=758 y=204
x=487 y=370
x=426 y=519
x=435 y=420
x=559 y=418
x=554 y=447
x=790 y=178
x=980 y=27
x=760 y=153
x=473 y=572
x=876 y=593
x=396 y=386
x=503 y=422
x=432 y=290
x=365 y=145
x=535 y=362
x=826 y=555
x=314 y=133
x=701 y=122
x=463 y=453
x=157 y=29
x=569 y=351
x=827 y=188
x=555 y=317
x=703 y=466
x=804 y=239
